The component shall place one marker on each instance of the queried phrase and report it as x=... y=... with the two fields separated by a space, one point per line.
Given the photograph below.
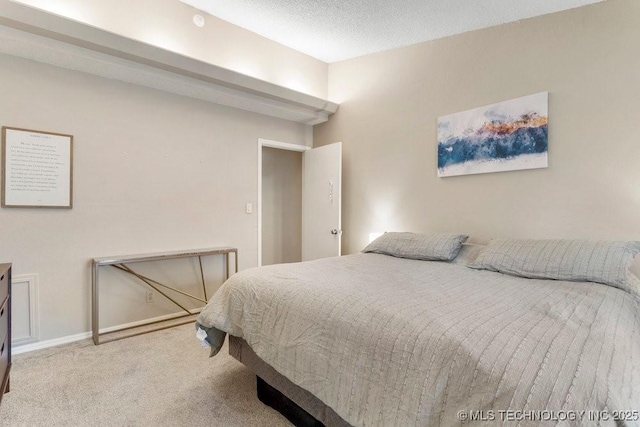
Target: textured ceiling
x=333 y=30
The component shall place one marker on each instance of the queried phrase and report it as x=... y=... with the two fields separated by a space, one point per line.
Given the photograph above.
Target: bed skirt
x=240 y=350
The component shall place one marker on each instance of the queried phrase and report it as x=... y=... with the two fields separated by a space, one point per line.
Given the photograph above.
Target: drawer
x=4 y=357
x=4 y=319
x=4 y=284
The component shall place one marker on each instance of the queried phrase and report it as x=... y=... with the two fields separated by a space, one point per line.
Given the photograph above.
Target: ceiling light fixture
x=198 y=20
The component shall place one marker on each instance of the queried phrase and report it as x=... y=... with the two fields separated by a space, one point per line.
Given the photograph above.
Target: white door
x=321 y=202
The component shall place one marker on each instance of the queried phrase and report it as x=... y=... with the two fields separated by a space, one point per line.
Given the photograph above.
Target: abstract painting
x=506 y=136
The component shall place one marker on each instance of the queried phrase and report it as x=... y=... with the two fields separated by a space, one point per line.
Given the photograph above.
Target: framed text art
x=37 y=169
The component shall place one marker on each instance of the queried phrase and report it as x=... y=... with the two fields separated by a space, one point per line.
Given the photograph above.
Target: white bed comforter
x=387 y=341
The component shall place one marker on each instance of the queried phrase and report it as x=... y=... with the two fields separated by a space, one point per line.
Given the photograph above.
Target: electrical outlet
x=149 y=296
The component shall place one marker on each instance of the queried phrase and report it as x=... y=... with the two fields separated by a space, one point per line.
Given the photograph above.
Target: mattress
x=389 y=341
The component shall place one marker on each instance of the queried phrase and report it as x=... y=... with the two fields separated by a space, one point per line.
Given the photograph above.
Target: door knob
x=336 y=231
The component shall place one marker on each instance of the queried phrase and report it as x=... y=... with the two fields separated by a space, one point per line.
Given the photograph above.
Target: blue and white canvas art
x=506 y=136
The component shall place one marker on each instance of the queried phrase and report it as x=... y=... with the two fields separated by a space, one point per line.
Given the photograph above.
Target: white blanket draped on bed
x=388 y=341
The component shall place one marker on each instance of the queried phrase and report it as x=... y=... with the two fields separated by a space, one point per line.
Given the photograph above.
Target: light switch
x=249 y=208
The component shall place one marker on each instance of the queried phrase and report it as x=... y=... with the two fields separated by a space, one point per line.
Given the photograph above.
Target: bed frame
x=297 y=404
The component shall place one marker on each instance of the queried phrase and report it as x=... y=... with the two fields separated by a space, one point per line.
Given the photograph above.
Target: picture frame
x=37 y=169
x=505 y=136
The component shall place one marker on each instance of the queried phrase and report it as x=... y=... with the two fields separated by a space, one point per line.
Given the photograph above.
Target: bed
x=373 y=339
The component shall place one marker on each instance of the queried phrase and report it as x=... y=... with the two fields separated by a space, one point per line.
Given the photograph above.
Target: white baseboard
x=40 y=345
x=19 y=349
x=145 y=321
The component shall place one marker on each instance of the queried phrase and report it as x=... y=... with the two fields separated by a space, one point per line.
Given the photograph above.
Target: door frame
x=271 y=144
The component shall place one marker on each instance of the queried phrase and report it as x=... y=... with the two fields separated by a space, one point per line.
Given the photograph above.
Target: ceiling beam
x=34 y=34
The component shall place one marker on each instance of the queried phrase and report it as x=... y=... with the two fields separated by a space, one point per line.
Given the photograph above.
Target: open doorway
x=320 y=182
x=281 y=206
x=279 y=202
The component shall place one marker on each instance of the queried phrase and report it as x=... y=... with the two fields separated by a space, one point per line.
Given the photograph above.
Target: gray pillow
x=435 y=247
x=468 y=253
x=575 y=260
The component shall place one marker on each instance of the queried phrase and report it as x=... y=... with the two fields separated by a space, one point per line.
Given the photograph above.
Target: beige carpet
x=158 y=379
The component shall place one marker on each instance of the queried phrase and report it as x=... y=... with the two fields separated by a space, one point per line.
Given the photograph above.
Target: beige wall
x=588 y=59
x=168 y=24
x=152 y=172
x=281 y=206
